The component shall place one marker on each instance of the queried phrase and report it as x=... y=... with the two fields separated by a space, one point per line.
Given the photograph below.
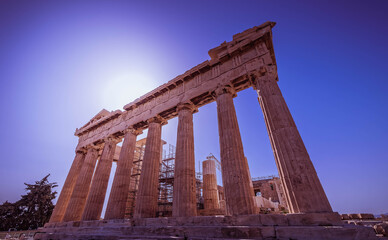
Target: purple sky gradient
x=61 y=62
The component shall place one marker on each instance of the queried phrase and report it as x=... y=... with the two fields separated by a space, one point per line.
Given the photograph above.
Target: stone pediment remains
x=102 y=117
x=101 y=114
x=98 y=116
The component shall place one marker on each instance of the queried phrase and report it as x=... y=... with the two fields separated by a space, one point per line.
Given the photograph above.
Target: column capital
x=223 y=89
x=81 y=150
x=157 y=119
x=112 y=139
x=188 y=106
x=133 y=130
x=263 y=75
x=93 y=146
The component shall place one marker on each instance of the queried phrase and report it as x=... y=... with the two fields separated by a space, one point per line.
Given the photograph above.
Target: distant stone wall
x=270 y=189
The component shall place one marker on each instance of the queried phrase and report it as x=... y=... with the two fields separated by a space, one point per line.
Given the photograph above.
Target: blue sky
x=61 y=62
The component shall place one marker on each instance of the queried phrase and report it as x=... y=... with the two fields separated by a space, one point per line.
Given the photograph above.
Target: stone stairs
x=261 y=226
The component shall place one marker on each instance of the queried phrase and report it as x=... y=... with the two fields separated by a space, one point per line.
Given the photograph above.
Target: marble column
x=147 y=194
x=81 y=189
x=210 y=189
x=303 y=190
x=96 y=197
x=120 y=186
x=68 y=187
x=235 y=172
x=184 y=194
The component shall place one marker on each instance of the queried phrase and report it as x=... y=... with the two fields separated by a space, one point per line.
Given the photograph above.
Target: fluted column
x=68 y=187
x=210 y=190
x=235 y=172
x=303 y=190
x=120 y=186
x=96 y=197
x=78 y=197
x=147 y=194
x=184 y=194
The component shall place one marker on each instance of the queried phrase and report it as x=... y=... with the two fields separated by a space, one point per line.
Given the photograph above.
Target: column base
x=260 y=226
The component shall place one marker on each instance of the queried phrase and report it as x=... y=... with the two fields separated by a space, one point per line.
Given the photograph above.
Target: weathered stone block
x=273 y=220
x=314 y=219
x=210 y=221
x=247 y=232
x=139 y=222
x=366 y=216
x=353 y=216
x=323 y=232
x=381 y=228
x=247 y=220
x=156 y=221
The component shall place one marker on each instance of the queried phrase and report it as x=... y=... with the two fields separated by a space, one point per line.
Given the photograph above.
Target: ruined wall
x=270 y=188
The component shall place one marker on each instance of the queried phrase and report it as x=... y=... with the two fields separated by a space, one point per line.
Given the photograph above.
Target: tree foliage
x=33 y=210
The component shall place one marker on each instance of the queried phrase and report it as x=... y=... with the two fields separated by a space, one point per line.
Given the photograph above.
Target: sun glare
x=125 y=88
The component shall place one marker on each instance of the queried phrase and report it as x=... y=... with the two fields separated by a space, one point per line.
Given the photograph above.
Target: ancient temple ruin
x=246 y=61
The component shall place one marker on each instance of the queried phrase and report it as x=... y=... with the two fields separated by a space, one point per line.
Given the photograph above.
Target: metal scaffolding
x=166 y=181
x=135 y=177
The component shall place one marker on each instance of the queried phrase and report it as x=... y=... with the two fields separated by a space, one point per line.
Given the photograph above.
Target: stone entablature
x=231 y=64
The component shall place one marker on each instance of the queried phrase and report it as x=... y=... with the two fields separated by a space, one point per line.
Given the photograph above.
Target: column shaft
x=78 y=197
x=184 y=194
x=96 y=197
x=147 y=194
x=68 y=187
x=303 y=190
x=120 y=186
x=210 y=190
x=235 y=172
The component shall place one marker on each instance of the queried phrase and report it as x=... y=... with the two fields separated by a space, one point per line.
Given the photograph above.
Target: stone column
x=235 y=172
x=96 y=197
x=68 y=187
x=120 y=186
x=184 y=194
x=147 y=194
x=303 y=190
x=78 y=197
x=210 y=190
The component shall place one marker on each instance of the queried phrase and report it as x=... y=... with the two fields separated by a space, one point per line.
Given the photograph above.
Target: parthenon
x=246 y=61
